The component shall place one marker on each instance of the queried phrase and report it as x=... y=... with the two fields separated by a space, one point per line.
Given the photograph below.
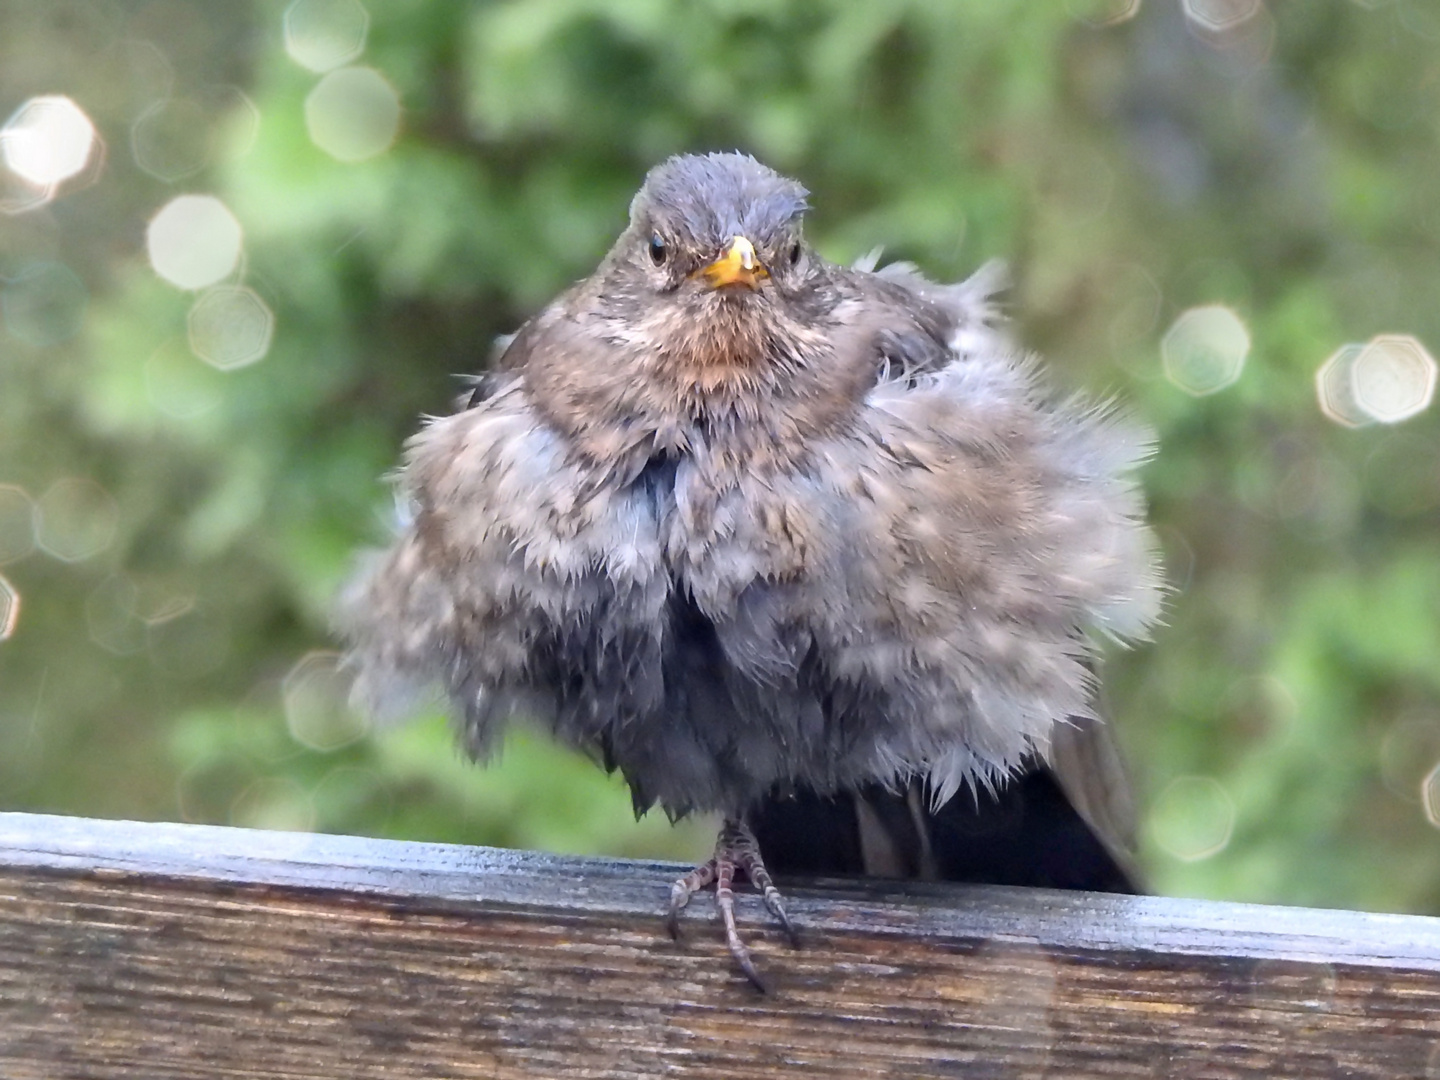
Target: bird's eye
x=658 y=250
x=795 y=253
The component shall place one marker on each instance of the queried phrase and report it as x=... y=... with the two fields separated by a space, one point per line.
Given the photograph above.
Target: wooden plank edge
x=448 y=875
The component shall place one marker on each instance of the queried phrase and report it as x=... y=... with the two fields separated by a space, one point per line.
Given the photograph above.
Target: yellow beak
x=738 y=266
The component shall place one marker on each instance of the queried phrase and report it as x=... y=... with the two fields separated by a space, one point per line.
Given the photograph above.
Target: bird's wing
x=918 y=325
x=1065 y=823
x=971 y=307
x=550 y=330
x=510 y=548
x=1084 y=757
x=1090 y=771
x=1025 y=832
x=998 y=528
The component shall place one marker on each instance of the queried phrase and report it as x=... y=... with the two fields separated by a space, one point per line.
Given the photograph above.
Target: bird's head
x=713 y=264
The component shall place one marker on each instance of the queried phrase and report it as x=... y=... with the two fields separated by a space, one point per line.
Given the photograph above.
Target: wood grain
x=157 y=951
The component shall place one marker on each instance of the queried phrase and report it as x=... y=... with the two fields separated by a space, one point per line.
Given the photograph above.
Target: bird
x=764 y=533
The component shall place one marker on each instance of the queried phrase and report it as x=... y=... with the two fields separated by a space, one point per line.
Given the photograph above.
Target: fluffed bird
x=763 y=532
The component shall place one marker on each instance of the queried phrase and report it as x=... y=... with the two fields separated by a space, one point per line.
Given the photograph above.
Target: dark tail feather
x=1067 y=824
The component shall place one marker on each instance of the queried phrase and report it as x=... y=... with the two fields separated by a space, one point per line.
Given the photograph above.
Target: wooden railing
x=160 y=951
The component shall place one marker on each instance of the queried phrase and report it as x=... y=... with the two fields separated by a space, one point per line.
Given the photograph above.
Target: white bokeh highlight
x=230 y=327
x=47 y=140
x=18 y=195
x=323 y=34
x=316 y=697
x=353 y=114
x=1220 y=16
x=194 y=241
x=1100 y=13
x=1393 y=378
x=1204 y=350
x=1193 y=818
x=1386 y=380
x=1334 y=387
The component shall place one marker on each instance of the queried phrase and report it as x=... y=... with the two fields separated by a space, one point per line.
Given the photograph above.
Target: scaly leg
x=735 y=849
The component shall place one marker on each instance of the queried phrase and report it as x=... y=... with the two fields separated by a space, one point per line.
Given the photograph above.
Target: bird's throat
x=729 y=334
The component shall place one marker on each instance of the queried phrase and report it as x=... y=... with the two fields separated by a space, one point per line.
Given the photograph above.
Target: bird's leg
x=747 y=857
x=735 y=849
x=683 y=889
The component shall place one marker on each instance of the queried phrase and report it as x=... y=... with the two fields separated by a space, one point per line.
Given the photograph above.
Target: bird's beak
x=738 y=266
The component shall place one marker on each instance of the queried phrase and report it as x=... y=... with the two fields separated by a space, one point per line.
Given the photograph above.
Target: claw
x=735 y=849
x=749 y=861
x=682 y=890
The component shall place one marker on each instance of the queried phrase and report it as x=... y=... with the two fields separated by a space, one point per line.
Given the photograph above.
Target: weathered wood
x=131 y=950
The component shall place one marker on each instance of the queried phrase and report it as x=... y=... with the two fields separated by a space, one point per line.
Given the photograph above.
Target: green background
x=1280 y=726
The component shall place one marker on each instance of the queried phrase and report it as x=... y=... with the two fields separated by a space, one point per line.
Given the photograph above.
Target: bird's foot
x=735 y=849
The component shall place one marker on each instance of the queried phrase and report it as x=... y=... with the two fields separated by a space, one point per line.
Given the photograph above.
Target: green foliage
x=1128 y=172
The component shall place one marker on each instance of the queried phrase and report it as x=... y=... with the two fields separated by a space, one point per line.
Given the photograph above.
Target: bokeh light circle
x=1219 y=16
x=18 y=195
x=316 y=695
x=194 y=241
x=323 y=34
x=76 y=520
x=275 y=803
x=1204 y=350
x=1100 y=13
x=9 y=608
x=1335 y=388
x=1393 y=378
x=1193 y=818
x=230 y=327
x=47 y=140
x=353 y=114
